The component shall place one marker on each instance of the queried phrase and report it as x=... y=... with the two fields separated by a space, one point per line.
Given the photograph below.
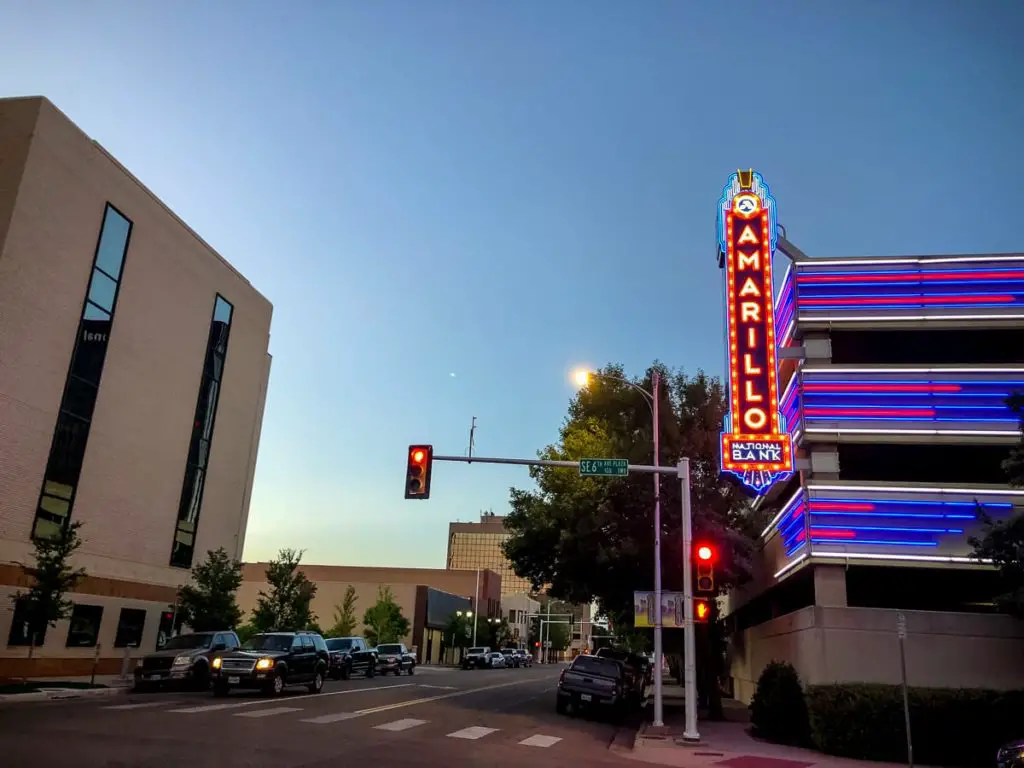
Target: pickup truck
x=395 y=657
x=477 y=658
x=349 y=655
x=593 y=681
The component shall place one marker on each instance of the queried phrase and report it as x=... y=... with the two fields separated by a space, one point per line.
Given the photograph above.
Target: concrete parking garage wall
x=859 y=645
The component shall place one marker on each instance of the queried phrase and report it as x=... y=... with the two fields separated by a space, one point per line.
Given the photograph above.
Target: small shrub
x=962 y=728
x=778 y=711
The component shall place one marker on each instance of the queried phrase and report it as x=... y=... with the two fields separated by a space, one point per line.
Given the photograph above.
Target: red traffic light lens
x=418 y=455
x=704 y=552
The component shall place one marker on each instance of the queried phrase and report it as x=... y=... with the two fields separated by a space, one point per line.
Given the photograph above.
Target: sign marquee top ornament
x=755 y=447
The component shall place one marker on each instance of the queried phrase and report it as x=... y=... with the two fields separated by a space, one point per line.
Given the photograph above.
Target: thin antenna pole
x=472 y=432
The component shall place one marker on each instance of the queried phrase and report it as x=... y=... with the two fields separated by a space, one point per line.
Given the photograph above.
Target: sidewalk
x=722 y=743
x=47 y=688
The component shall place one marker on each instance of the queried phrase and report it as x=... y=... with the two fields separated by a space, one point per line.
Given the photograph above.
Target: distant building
x=133 y=376
x=478 y=545
x=516 y=610
x=428 y=597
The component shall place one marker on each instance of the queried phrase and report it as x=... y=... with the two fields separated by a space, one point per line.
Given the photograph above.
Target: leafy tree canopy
x=592 y=538
x=345 y=614
x=286 y=605
x=1014 y=465
x=209 y=604
x=51 y=577
x=383 y=621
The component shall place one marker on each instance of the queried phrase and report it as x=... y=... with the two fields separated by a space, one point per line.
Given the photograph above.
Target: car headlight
x=264 y=664
x=181 y=661
x=216 y=663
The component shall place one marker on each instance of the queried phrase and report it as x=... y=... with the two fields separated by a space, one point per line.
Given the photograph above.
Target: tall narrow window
x=192 y=489
x=64 y=466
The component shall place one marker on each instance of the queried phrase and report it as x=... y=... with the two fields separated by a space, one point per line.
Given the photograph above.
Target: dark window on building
x=923 y=463
x=130 y=624
x=21 y=627
x=922 y=589
x=71 y=433
x=191 y=502
x=85 y=626
x=991 y=346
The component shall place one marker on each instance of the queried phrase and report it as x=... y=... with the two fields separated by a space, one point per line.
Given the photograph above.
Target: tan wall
x=331 y=593
x=461 y=583
x=135 y=460
x=134 y=465
x=943 y=650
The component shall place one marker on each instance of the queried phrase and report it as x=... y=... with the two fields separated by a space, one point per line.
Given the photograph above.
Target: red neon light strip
x=923 y=277
x=841 y=506
x=994 y=299
x=891 y=412
x=800 y=536
x=827 y=534
x=814 y=387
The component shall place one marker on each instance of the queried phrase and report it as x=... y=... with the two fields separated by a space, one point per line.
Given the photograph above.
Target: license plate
x=233 y=680
x=585 y=697
x=154 y=677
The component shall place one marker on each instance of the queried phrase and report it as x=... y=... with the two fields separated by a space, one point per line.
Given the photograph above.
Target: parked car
x=512 y=658
x=599 y=682
x=476 y=658
x=395 y=657
x=350 y=655
x=1011 y=755
x=185 y=659
x=640 y=664
x=495 y=660
x=525 y=657
x=271 y=661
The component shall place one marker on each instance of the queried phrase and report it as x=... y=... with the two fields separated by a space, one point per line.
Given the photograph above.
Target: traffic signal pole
x=681 y=471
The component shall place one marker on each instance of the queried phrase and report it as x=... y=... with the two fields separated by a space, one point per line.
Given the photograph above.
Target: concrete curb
x=61 y=694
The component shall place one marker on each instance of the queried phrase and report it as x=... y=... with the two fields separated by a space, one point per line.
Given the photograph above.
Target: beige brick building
x=133 y=375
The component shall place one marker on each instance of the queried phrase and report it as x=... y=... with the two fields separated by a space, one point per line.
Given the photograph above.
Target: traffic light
x=705 y=568
x=701 y=610
x=417 y=474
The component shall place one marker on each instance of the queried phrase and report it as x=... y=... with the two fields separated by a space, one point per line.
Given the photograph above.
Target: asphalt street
x=438 y=717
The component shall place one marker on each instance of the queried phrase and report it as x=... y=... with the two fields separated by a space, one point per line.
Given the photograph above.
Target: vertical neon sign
x=755 y=447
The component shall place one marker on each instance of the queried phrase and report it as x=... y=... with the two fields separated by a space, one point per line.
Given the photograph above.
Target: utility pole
x=689 y=630
x=476 y=605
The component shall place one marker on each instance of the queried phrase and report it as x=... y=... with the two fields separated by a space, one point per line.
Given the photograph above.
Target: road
x=438 y=717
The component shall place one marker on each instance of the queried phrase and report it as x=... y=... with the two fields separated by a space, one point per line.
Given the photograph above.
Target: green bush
x=959 y=728
x=778 y=711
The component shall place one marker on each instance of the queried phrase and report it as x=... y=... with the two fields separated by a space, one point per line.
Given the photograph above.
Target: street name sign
x=604 y=467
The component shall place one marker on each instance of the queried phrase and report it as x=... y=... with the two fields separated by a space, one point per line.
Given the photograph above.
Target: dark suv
x=271 y=661
x=349 y=655
x=185 y=659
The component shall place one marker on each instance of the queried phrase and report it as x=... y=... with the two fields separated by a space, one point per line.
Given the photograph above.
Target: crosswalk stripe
x=400 y=725
x=268 y=712
x=334 y=717
x=473 y=732
x=217 y=707
x=143 y=705
x=540 y=740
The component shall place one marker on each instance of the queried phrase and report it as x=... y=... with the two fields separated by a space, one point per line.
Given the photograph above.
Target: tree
x=51 y=578
x=383 y=621
x=592 y=538
x=286 y=606
x=459 y=631
x=345 y=614
x=558 y=634
x=209 y=604
x=1003 y=540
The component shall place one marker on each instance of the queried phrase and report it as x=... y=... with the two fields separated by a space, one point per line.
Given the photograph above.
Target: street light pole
x=689 y=630
x=476 y=607
x=658 y=700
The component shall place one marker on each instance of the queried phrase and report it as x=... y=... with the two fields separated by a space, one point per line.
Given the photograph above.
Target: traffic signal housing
x=701 y=610
x=705 y=557
x=417 y=473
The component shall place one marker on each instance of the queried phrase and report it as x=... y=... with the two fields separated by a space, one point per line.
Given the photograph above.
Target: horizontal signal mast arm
x=649 y=469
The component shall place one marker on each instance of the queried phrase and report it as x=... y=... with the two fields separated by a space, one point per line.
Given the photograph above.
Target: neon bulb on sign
x=756 y=448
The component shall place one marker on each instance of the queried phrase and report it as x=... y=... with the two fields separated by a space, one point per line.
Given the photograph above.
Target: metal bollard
x=95 y=662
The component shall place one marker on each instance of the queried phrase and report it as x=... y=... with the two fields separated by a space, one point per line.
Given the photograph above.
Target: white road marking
x=332 y=718
x=264 y=702
x=143 y=705
x=400 y=725
x=268 y=712
x=473 y=732
x=540 y=740
x=453 y=694
x=439 y=687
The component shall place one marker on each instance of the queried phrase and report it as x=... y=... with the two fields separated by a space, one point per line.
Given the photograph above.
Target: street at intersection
x=439 y=717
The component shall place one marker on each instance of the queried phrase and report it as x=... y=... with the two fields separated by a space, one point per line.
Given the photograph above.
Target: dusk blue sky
x=452 y=204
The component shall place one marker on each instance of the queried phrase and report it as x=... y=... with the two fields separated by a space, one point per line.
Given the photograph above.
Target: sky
x=452 y=205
